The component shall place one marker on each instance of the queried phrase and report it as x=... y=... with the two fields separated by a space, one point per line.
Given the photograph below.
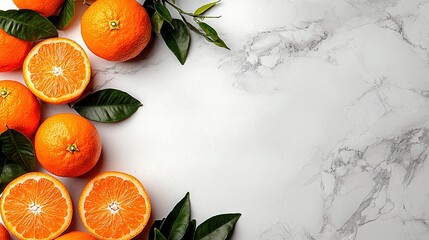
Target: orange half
x=114 y=205
x=36 y=206
x=57 y=70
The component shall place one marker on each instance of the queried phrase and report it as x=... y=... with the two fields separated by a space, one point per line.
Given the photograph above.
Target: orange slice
x=114 y=205
x=57 y=70
x=36 y=206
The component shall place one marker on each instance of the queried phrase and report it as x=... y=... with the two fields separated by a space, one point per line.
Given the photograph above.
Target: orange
x=114 y=205
x=45 y=7
x=57 y=70
x=36 y=206
x=12 y=51
x=19 y=108
x=76 y=235
x=116 y=30
x=67 y=145
x=4 y=234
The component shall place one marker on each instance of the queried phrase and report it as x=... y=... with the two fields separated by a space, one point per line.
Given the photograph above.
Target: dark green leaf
x=10 y=171
x=177 y=221
x=178 y=39
x=157 y=22
x=149 y=6
x=108 y=105
x=159 y=235
x=26 y=25
x=163 y=13
x=17 y=148
x=205 y=8
x=190 y=231
x=219 y=227
x=219 y=42
x=66 y=15
x=156 y=224
x=209 y=30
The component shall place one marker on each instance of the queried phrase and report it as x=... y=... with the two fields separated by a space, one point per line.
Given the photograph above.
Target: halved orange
x=57 y=70
x=36 y=206
x=114 y=205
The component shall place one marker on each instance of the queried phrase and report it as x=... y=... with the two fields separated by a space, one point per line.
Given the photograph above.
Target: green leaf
x=10 y=171
x=156 y=225
x=192 y=27
x=107 y=106
x=27 y=25
x=177 y=221
x=205 y=8
x=17 y=148
x=190 y=231
x=219 y=42
x=66 y=15
x=164 y=13
x=177 y=39
x=219 y=227
x=159 y=235
x=209 y=30
x=157 y=22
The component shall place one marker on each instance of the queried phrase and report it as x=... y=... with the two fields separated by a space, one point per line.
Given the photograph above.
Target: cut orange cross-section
x=57 y=70
x=114 y=205
x=36 y=206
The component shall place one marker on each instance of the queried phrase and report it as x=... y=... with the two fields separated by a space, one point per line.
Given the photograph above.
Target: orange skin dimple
x=67 y=145
x=125 y=40
x=45 y=7
x=12 y=51
x=19 y=108
x=76 y=235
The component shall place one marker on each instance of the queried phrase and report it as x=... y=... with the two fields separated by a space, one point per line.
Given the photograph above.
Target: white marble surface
x=314 y=126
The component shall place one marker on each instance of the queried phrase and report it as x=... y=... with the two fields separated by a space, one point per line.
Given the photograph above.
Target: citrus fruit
x=36 y=206
x=19 y=108
x=57 y=70
x=4 y=234
x=45 y=7
x=114 y=205
x=67 y=145
x=76 y=235
x=12 y=51
x=116 y=30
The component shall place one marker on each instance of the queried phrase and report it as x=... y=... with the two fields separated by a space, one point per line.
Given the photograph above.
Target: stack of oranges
x=36 y=205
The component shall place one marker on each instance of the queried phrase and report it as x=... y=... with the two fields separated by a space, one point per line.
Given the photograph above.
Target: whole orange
x=45 y=7
x=67 y=145
x=12 y=51
x=19 y=108
x=4 y=234
x=116 y=30
x=76 y=235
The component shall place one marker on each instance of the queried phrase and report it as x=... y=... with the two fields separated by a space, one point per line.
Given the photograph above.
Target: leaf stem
x=189 y=14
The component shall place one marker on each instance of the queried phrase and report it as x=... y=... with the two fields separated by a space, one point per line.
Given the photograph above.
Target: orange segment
x=114 y=205
x=36 y=206
x=57 y=70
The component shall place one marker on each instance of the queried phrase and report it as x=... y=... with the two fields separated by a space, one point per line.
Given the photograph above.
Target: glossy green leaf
x=219 y=227
x=190 y=231
x=65 y=16
x=177 y=39
x=209 y=30
x=219 y=42
x=27 y=25
x=10 y=171
x=176 y=223
x=159 y=235
x=163 y=13
x=156 y=225
x=17 y=148
x=107 y=106
x=205 y=8
x=157 y=22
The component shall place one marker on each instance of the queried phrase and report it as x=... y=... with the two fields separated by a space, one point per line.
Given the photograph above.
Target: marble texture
x=315 y=126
